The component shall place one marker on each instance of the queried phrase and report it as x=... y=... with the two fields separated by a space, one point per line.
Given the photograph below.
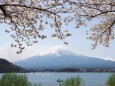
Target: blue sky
x=77 y=42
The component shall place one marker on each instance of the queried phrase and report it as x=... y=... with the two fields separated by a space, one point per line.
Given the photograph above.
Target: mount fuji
x=59 y=57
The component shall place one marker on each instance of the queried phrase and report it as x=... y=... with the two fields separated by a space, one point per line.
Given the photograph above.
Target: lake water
x=50 y=79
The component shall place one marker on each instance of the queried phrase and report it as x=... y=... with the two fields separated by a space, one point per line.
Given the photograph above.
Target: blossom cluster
x=28 y=18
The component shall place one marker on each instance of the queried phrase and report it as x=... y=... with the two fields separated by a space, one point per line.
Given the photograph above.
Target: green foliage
x=74 y=81
x=111 y=80
x=13 y=79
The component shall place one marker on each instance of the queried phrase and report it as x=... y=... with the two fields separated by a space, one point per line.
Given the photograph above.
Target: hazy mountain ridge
x=6 y=66
x=63 y=58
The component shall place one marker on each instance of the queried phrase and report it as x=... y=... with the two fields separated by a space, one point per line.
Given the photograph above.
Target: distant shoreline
x=69 y=70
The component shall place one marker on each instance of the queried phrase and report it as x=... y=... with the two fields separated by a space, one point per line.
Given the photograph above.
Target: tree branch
x=106 y=29
x=24 y=6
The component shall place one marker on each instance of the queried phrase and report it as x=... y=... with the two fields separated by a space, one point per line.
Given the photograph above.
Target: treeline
x=75 y=70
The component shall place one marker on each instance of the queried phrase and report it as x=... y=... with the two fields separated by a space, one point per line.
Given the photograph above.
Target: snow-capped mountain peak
x=57 y=50
x=62 y=57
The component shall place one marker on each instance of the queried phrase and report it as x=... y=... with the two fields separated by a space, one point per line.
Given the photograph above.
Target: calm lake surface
x=50 y=79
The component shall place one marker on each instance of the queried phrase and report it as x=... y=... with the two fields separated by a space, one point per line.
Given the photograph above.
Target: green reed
x=13 y=79
x=74 y=81
x=111 y=80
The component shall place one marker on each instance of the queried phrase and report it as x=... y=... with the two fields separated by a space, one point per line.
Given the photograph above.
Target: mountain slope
x=6 y=66
x=61 y=57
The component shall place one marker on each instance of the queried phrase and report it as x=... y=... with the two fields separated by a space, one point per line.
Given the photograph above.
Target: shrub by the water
x=12 y=79
x=74 y=81
x=111 y=80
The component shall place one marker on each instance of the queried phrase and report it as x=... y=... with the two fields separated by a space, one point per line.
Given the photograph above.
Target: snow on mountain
x=58 y=50
x=109 y=58
x=62 y=57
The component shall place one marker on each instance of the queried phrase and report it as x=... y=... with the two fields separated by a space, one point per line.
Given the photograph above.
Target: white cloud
x=9 y=53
